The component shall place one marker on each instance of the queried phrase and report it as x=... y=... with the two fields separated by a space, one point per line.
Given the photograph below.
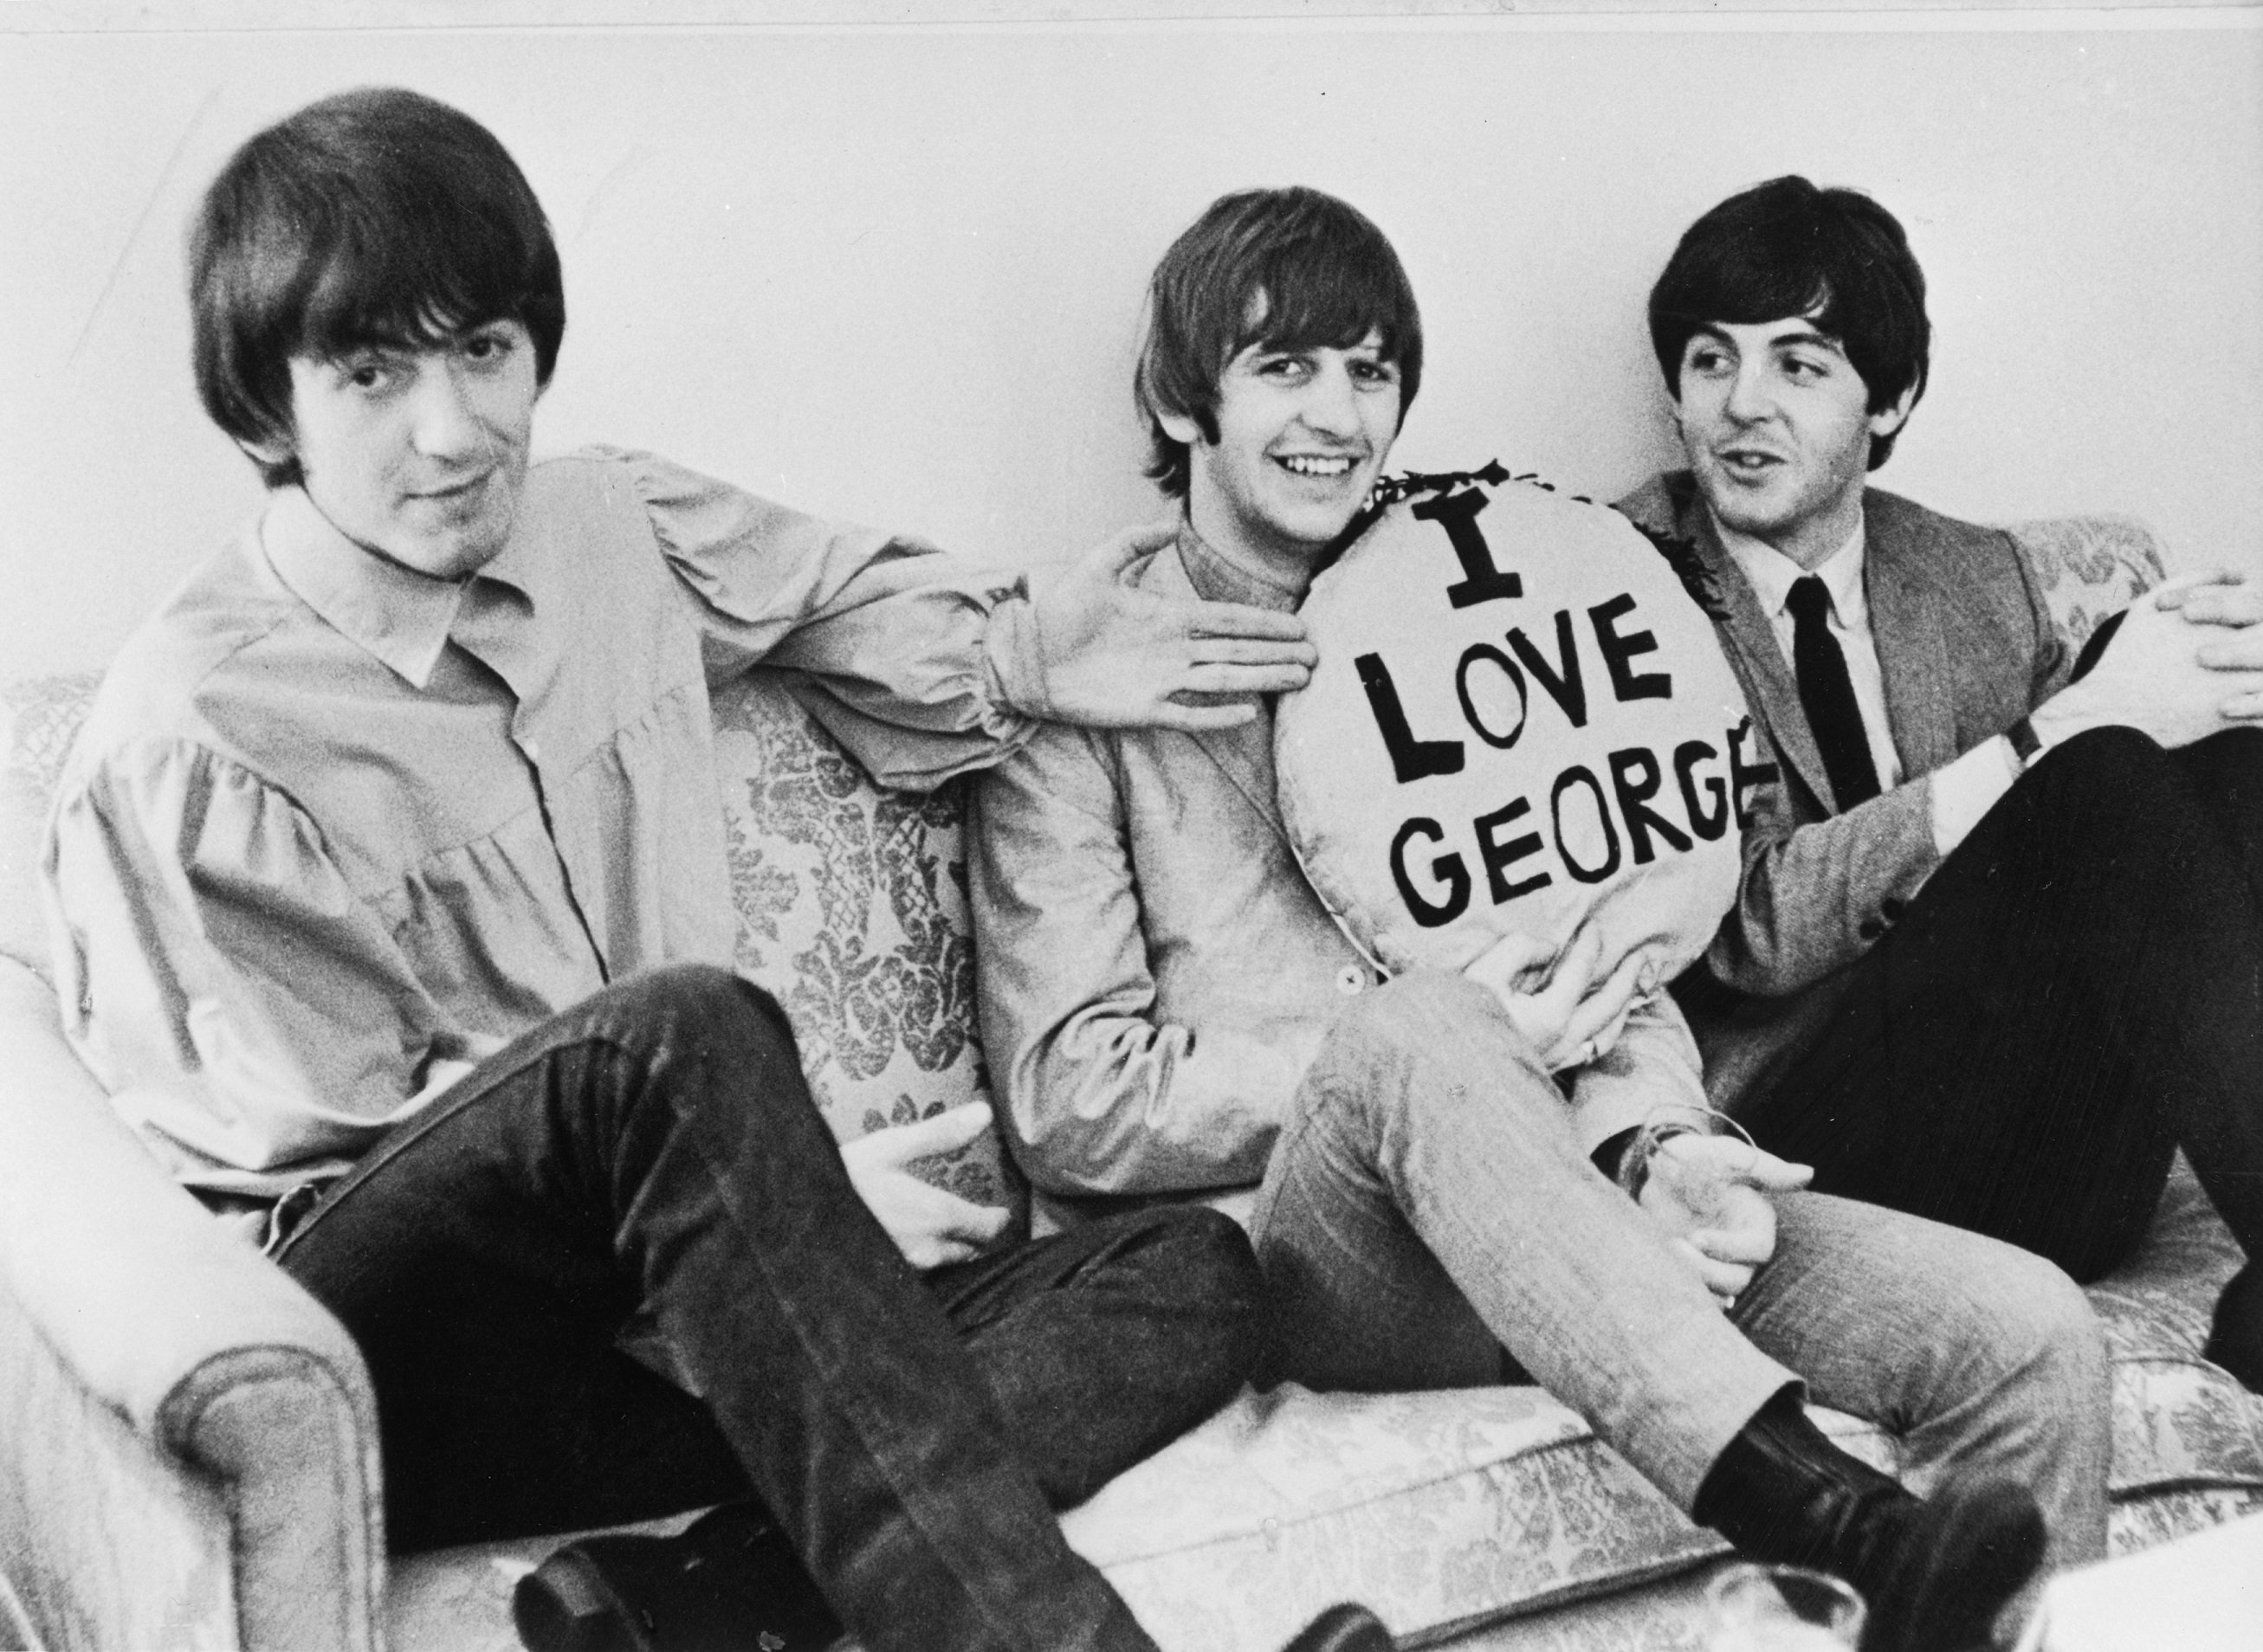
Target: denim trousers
x=651 y=1161
x=1427 y=1220
x=2076 y=991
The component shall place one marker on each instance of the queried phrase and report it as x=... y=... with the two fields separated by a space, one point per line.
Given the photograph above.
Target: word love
x=1412 y=759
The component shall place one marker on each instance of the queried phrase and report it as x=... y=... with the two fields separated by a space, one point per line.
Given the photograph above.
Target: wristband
x=1633 y=1170
x=1625 y=1158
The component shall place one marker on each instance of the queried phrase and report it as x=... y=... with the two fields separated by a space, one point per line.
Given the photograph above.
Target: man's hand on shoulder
x=2187 y=663
x=1118 y=657
x=930 y=1226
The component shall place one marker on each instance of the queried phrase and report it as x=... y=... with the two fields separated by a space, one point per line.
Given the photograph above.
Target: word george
x=1581 y=813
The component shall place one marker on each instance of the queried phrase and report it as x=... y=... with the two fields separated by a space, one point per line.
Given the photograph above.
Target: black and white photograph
x=1268 y=826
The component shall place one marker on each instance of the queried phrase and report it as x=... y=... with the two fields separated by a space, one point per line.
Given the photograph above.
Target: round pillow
x=1521 y=723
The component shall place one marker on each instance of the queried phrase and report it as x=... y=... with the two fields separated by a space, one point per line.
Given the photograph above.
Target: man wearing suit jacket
x=1996 y=949
x=1170 y=1009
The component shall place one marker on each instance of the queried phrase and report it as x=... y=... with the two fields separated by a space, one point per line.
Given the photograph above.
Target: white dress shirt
x=1962 y=790
x=1772 y=575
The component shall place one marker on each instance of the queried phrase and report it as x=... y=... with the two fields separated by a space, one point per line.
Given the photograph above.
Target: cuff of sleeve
x=1605 y=1102
x=1014 y=657
x=1964 y=791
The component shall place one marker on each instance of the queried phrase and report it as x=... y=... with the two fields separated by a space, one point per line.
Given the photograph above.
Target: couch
x=188 y=1451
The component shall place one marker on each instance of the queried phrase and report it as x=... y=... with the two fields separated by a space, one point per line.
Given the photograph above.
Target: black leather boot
x=1934 y=1572
x=729 y=1582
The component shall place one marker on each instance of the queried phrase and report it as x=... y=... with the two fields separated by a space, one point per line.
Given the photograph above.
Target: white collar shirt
x=1772 y=575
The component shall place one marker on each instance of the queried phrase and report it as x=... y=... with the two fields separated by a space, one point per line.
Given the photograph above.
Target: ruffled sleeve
x=891 y=642
x=249 y=1013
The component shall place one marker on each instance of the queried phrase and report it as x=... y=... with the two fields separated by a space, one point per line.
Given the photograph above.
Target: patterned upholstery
x=38 y=718
x=852 y=911
x=2089 y=566
x=1489 y=1516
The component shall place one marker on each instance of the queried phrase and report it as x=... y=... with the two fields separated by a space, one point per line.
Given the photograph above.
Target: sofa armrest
x=189 y=1388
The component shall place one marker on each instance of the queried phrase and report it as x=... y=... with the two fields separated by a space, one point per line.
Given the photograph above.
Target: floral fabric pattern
x=47 y=713
x=2089 y=567
x=852 y=911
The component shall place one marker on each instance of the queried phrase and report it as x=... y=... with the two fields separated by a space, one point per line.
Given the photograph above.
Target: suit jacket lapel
x=1912 y=649
x=1757 y=655
x=1244 y=753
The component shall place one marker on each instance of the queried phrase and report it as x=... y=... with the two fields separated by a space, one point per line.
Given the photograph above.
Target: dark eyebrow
x=1811 y=335
x=349 y=352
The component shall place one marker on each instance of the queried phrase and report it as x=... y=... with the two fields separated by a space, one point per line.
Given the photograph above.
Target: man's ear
x=267 y=453
x=1180 y=428
x=1888 y=420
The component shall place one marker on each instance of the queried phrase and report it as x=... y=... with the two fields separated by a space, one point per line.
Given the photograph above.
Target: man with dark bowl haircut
x=1999 y=947
x=1170 y=1009
x=389 y=896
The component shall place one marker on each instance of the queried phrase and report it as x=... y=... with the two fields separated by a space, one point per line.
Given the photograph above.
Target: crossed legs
x=1427 y=1209
x=653 y=1156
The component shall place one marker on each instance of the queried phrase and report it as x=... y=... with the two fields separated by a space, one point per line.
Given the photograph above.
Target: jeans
x=1428 y=1211
x=652 y=1159
x=2076 y=990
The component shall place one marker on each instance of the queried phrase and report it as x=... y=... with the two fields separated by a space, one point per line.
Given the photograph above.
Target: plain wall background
x=894 y=274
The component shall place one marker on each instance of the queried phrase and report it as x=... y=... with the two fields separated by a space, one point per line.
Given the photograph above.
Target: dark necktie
x=1828 y=694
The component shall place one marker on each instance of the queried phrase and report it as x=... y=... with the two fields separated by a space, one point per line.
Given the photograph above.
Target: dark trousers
x=2076 y=990
x=652 y=1159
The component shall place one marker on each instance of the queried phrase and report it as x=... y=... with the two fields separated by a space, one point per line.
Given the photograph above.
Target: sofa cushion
x=2179 y=1423
x=1444 y=1512
x=852 y=911
x=1441 y=1510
